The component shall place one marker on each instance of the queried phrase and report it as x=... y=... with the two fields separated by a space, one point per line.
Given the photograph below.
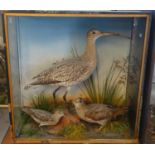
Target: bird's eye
x=93 y=32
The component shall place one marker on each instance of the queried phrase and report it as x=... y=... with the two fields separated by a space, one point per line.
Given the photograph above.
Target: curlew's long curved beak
x=114 y=34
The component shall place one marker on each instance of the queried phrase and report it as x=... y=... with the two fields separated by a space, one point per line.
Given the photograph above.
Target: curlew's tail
x=27 y=86
x=120 y=111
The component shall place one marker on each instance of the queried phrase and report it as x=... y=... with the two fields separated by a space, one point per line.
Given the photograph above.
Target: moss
x=28 y=126
x=119 y=126
x=28 y=130
x=25 y=118
x=73 y=131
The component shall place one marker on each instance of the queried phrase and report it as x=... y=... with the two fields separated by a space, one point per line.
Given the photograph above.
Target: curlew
x=73 y=71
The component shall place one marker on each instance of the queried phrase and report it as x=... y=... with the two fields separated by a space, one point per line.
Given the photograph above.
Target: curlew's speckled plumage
x=77 y=71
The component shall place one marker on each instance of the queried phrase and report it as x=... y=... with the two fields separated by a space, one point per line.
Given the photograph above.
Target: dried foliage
x=109 y=89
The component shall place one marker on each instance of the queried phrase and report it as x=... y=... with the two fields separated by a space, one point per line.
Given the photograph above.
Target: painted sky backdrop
x=44 y=40
x=51 y=38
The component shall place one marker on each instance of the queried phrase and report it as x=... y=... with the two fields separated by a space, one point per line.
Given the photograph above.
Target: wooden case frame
x=140 y=92
x=146 y=130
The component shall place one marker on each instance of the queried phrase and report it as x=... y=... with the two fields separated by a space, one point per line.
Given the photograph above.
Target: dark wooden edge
x=145 y=117
x=8 y=139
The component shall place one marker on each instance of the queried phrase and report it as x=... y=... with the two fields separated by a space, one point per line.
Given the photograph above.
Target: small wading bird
x=73 y=71
x=42 y=117
x=97 y=113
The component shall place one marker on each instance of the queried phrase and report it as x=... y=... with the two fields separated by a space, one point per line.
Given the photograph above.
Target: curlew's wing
x=65 y=71
x=98 y=111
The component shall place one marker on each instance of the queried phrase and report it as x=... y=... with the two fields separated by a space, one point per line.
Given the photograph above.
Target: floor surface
x=4 y=122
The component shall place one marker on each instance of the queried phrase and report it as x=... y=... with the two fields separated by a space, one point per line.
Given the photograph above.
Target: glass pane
x=135 y=61
x=15 y=71
x=75 y=77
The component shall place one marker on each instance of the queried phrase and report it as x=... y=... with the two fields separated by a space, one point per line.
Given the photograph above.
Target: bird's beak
x=110 y=33
x=114 y=34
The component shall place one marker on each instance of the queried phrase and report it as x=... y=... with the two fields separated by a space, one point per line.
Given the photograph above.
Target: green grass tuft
x=73 y=131
x=43 y=102
x=46 y=102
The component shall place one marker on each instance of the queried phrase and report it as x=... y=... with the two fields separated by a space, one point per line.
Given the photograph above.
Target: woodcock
x=72 y=71
x=42 y=117
x=96 y=112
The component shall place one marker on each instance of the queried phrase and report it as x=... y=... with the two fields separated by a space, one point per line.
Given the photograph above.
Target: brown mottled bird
x=96 y=112
x=42 y=117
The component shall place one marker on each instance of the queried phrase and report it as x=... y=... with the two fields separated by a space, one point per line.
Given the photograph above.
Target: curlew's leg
x=65 y=100
x=54 y=93
x=103 y=124
x=65 y=97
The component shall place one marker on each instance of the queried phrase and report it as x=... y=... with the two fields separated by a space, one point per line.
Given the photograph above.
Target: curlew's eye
x=93 y=32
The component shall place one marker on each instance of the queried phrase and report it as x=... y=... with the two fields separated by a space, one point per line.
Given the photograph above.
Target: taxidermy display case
x=76 y=77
